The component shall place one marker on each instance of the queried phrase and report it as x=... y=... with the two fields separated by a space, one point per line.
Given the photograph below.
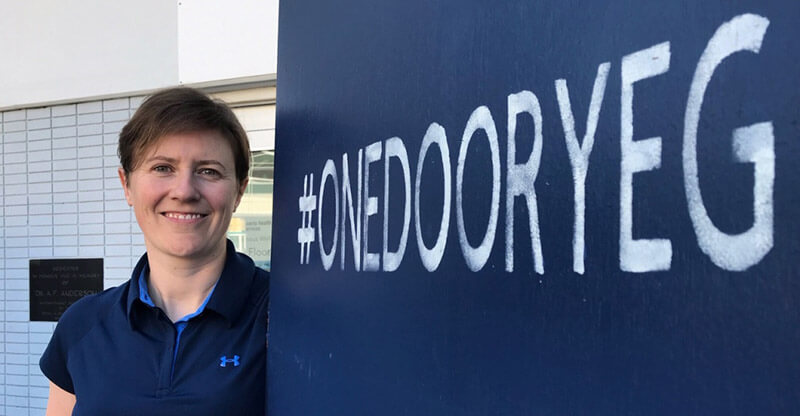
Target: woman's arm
x=60 y=402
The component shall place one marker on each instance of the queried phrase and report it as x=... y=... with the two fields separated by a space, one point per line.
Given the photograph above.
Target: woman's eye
x=161 y=169
x=209 y=172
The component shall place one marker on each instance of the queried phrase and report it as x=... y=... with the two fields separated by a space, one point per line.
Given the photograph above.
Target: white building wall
x=61 y=198
x=55 y=50
x=210 y=38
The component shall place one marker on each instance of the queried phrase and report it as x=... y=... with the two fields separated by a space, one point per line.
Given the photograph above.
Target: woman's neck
x=178 y=286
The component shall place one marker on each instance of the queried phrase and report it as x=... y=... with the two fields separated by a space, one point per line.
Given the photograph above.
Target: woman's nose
x=185 y=187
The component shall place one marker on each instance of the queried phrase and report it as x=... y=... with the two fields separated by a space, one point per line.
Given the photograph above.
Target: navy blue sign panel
x=536 y=208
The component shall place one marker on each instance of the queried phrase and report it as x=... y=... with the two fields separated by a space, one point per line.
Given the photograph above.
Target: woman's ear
x=123 y=179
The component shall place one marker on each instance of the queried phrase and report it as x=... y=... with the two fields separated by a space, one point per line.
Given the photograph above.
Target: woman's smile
x=184 y=217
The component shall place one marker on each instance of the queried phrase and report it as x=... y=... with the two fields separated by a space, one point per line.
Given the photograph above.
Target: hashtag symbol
x=307 y=204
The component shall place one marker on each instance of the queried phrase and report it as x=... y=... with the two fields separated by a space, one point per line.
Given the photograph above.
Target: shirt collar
x=144 y=296
x=144 y=292
x=228 y=297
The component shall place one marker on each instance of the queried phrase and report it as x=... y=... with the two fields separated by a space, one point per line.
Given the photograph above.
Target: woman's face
x=184 y=192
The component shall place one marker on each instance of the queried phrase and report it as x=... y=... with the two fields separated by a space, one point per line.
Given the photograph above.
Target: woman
x=187 y=333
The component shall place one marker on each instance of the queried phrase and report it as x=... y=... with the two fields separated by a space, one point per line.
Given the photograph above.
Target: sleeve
x=54 y=359
x=76 y=321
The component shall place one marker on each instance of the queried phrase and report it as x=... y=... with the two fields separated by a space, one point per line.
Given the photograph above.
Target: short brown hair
x=181 y=110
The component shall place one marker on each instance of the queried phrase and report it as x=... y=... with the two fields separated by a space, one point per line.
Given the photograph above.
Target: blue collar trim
x=144 y=296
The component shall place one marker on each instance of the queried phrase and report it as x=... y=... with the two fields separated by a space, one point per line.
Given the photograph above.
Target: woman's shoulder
x=88 y=310
x=261 y=274
x=77 y=321
x=244 y=264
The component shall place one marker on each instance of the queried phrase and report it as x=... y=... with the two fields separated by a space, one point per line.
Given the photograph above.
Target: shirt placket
x=164 y=384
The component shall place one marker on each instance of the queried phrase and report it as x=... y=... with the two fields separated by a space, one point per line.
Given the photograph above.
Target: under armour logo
x=224 y=361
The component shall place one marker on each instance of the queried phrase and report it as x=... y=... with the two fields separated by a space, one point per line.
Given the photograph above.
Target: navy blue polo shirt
x=120 y=355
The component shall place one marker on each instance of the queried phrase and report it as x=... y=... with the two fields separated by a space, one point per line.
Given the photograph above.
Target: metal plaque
x=55 y=284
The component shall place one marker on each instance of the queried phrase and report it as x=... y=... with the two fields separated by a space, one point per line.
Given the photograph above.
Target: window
x=251 y=225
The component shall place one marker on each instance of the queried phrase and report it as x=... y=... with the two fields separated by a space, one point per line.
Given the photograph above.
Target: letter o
x=433 y=256
x=476 y=257
x=328 y=171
